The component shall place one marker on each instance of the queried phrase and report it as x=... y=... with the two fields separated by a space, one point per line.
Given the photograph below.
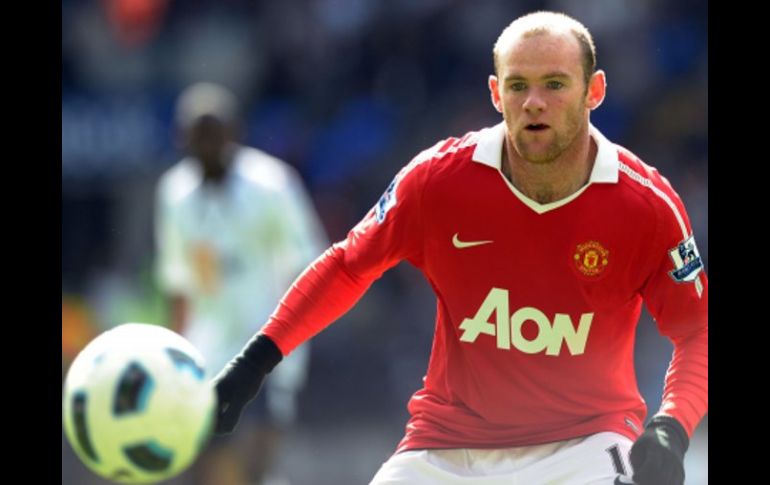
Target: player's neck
x=216 y=173
x=215 y=178
x=552 y=181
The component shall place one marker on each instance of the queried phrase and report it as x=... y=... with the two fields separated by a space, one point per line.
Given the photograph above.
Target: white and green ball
x=137 y=404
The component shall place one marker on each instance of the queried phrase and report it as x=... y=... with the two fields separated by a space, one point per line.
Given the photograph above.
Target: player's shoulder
x=179 y=180
x=639 y=176
x=653 y=191
x=456 y=149
x=264 y=170
x=448 y=155
x=424 y=166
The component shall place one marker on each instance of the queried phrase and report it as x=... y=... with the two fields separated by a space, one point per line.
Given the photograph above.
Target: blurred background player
x=234 y=227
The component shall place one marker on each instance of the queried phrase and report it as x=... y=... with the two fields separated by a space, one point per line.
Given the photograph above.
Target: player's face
x=542 y=94
x=207 y=139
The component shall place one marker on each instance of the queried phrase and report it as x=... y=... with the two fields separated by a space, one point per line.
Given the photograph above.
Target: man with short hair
x=541 y=239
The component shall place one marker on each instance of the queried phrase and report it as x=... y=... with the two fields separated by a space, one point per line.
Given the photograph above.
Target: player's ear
x=495 y=93
x=597 y=88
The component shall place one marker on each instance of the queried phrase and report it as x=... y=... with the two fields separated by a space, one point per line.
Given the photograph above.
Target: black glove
x=657 y=457
x=240 y=380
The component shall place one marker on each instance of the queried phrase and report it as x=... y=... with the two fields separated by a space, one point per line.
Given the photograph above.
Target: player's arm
x=171 y=270
x=328 y=288
x=677 y=297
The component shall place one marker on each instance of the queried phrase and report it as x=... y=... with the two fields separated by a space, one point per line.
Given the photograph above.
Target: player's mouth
x=536 y=127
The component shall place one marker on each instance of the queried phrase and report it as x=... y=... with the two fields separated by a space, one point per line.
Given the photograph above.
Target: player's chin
x=537 y=154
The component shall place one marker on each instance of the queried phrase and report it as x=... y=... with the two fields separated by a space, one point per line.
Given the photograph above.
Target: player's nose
x=534 y=102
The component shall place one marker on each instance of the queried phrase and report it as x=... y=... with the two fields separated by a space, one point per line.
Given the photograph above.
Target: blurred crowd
x=347 y=91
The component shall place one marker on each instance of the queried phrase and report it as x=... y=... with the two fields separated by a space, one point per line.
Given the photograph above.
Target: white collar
x=489 y=151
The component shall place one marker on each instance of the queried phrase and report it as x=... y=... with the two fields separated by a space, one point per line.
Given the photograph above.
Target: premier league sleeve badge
x=687 y=261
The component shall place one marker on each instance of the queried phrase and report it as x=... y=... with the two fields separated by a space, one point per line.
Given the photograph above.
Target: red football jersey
x=537 y=304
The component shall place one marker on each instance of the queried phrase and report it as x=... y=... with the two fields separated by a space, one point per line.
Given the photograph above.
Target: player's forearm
x=685 y=396
x=325 y=291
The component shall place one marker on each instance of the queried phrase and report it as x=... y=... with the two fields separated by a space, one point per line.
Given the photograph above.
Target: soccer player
x=231 y=218
x=541 y=239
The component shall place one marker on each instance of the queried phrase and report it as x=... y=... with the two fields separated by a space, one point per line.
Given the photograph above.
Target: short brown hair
x=542 y=22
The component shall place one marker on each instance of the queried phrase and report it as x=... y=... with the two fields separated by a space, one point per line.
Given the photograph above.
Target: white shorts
x=599 y=459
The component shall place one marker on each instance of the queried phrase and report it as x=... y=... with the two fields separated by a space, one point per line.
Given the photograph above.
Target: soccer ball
x=137 y=405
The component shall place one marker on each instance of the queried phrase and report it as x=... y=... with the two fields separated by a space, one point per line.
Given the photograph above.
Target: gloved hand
x=240 y=380
x=657 y=457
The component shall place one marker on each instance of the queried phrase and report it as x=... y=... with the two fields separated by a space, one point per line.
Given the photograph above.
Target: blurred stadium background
x=347 y=91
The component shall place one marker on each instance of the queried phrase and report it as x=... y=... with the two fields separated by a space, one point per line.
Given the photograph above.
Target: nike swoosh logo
x=619 y=480
x=466 y=244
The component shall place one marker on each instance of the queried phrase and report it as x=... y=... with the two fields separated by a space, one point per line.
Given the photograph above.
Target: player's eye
x=554 y=84
x=518 y=86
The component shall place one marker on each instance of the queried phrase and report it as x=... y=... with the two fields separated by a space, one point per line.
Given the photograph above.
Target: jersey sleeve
x=389 y=233
x=676 y=294
x=171 y=268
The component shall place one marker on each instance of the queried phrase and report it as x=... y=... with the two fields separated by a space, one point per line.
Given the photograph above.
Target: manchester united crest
x=591 y=258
